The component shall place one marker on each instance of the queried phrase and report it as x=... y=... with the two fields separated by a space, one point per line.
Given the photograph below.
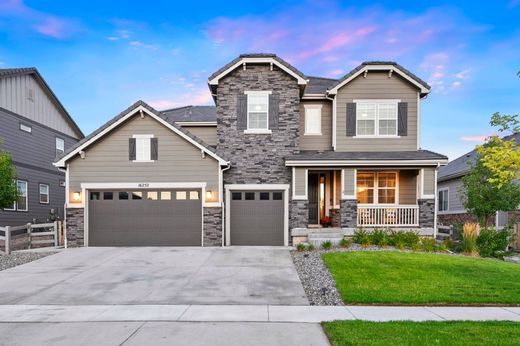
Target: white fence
x=384 y=216
x=32 y=235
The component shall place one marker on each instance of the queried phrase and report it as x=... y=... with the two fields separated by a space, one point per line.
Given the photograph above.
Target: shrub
x=493 y=243
x=344 y=243
x=428 y=244
x=379 y=237
x=361 y=237
x=446 y=245
x=326 y=245
x=311 y=247
x=300 y=247
x=411 y=239
x=470 y=233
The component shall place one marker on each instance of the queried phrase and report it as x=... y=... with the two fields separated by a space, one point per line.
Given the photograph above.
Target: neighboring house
x=35 y=129
x=280 y=152
x=450 y=190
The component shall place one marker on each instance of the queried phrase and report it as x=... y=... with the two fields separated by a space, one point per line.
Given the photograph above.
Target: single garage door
x=257 y=218
x=145 y=218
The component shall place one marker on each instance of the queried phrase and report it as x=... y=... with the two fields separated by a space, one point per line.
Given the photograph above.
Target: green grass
x=416 y=279
x=422 y=333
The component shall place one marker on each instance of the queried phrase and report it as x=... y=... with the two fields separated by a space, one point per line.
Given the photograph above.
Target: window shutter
x=402 y=119
x=131 y=149
x=351 y=119
x=154 y=148
x=273 y=111
x=242 y=112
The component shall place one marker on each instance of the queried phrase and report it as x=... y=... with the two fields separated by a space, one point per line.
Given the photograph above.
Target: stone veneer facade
x=426 y=213
x=75 y=227
x=348 y=213
x=212 y=226
x=298 y=214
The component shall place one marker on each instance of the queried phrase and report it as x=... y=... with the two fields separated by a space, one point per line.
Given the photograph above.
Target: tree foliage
x=8 y=190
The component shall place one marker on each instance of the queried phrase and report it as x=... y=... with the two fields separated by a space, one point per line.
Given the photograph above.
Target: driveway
x=156 y=275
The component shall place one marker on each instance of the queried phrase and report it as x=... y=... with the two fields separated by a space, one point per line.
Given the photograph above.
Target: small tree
x=8 y=190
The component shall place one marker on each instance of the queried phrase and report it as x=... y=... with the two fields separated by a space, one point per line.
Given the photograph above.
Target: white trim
x=314 y=97
x=258 y=92
x=343 y=196
x=263 y=94
x=376 y=100
x=334 y=135
x=142 y=136
x=447 y=189
x=377 y=136
x=371 y=163
x=436 y=206
x=377 y=103
x=296 y=197
x=196 y=123
x=376 y=188
x=61 y=162
x=418 y=121
x=258 y=131
x=312 y=106
x=40 y=194
x=366 y=68
x=256 y=187
x=266 y=60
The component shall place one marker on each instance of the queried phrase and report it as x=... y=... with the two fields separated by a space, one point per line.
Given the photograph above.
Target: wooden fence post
x=55 y=233
x=7 y=240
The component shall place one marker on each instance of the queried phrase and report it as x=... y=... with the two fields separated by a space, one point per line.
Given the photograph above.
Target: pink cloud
x=53 y=27
x=334 y=73
x=197 y=97
x=477 y=138
x=162 y=104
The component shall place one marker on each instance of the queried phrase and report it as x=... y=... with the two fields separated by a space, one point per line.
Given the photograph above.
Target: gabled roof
x=12 y=72
x=461 y=165
x=191 y=114
x=319 y=85
x=124 y=115
x=381 y=66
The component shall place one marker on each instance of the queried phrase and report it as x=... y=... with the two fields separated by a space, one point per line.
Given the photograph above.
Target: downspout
x=223 y=206
x=333 y=119
x=64 y=224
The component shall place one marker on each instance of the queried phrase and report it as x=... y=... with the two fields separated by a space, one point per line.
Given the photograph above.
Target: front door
x=313 y=206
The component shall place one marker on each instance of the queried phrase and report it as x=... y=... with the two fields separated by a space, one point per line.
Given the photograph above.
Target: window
x=444 y=196
x=22 y=203
x=258 y=110
x=264 y=196
x=95 y=196
x=153 y=195
x=44 y=193
x=166 y=195
x=137 y=195
x=180 y=195
x=25 y=128
x=376 y=188
x=108 y=196
x=277 y=196
x=123 y=195
x=376 y=118
x=194 y=195
x=60 y=146
x=313 y=119
x=236 y=196
x=143 y=148
x=250 y=196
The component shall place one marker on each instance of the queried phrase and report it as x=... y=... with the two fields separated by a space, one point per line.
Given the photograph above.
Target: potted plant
x=326 y=221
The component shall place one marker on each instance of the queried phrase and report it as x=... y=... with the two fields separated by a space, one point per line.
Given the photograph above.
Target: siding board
x=207 y=133
x=300 y=181
x=314 y=142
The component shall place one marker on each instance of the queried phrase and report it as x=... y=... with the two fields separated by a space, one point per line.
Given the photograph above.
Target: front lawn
x=422 y=333
x=397 y=278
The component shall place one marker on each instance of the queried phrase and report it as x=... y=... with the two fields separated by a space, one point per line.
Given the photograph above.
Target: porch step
x=317 y=238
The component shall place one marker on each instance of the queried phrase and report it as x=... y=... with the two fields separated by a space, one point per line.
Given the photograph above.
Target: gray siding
x=300 y=181
x=314 y=142
x=14 y=97
x=33 y=154
x=376 y=85
x=107 y=160
x=454 y=195
x=429 y=181
x=408 y=187
x=207 y=133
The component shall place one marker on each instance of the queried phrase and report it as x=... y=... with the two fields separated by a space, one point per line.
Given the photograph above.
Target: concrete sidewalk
x=247 y=313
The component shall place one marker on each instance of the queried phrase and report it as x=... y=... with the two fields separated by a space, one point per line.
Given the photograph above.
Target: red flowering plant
x=326 y=221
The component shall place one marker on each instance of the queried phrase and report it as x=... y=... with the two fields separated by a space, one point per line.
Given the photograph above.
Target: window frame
x=318 y=107
x=40 y=185
x=28 y=128
x=377 y=119
x=56 y=141
x=447 y=191
x=376 y=187
x=138 y=139
x=257 y=93
x=26 y=195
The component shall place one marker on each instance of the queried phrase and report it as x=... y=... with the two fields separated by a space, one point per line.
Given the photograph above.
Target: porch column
x=426 y=198
x=348 y=203
x=298 y=210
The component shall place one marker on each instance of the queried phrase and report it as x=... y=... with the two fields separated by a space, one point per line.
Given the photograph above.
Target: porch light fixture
x=76 y=196
x=209 y=194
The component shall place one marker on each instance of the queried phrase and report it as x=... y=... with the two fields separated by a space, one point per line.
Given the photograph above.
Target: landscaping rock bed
x=18 y=258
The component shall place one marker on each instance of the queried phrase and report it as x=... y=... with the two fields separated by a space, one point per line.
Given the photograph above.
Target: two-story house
x=36 y=129
x=278 y=154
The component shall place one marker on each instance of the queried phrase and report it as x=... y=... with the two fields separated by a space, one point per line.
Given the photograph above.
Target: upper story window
x=376 y=187
x=44 y=193
x=60 y=146
x=25 y=128
x=313 y=119
x=22 y=203
x=443 y=199
x=376 y=117
x=258 y=111
x=143 y=148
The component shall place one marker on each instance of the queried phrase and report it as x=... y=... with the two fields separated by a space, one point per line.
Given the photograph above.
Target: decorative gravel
x=18 y=258
x=318 y=284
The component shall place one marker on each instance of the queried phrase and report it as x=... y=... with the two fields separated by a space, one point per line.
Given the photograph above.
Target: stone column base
x=75 y=227
x=212 y=226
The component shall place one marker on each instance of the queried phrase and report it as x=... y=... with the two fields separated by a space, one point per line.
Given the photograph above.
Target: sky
x=99 y=57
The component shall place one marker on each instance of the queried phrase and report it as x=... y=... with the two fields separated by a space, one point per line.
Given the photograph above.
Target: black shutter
x=402 y=119
x=154 y=148
x=273 y=111
x=242 y=112
x=131 y=149
x=351 y=119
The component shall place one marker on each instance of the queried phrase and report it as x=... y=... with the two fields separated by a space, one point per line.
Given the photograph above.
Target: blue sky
x=101 y=56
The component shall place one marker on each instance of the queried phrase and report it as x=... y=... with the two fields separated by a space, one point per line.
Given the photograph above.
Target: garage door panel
x=161 y=221
x=256 y=221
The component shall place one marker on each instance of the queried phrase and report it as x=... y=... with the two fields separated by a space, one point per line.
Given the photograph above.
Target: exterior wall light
x=76 y=196
x=209 y=195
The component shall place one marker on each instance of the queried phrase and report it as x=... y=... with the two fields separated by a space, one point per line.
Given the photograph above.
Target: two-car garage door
x=145 y=218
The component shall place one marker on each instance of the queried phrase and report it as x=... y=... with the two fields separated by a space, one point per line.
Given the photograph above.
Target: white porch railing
x=384 y=216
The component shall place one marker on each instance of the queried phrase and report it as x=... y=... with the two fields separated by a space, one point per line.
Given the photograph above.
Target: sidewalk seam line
x=433 y=312
x=133 y=333
x=179 y=318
